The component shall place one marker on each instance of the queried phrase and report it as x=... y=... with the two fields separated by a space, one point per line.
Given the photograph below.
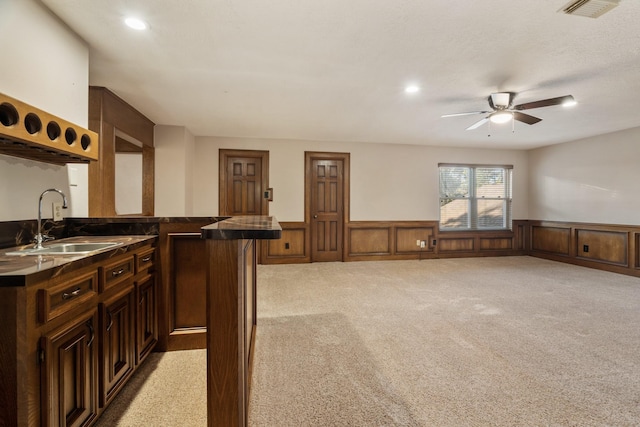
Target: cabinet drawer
x=144 y=259
x=116 y=272
x=61 y=298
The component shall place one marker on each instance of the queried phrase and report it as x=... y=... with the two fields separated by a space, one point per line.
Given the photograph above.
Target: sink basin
x=66 y=249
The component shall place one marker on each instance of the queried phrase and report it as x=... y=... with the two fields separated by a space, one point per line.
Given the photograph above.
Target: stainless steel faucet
x=41 y=237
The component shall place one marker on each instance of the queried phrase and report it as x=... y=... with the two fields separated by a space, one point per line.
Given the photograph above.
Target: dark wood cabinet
x=69 y=373
x=72 y=340
x=117 y=351
x=146 y=317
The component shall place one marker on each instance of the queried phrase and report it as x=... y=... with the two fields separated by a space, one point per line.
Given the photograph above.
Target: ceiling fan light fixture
x=570 y=102
x=501 y=99
x=501 y=117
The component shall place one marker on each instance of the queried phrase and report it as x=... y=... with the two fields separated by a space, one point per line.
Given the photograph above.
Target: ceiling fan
x=503 y=109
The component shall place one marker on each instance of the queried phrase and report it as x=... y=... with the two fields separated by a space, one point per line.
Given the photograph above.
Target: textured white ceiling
x=336 y=69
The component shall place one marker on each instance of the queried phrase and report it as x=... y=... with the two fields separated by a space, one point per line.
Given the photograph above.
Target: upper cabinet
x=122 y=181
x=28 y=132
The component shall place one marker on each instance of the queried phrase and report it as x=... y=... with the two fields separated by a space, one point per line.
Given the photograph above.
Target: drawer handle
x=70 y=295
x=117 y=273
x=146 y=259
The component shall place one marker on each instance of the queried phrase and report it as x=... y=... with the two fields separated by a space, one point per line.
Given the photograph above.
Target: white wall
x=128 y=183
x=174 y=159
x=47 y=66
x=591 y=180
x=388 y=181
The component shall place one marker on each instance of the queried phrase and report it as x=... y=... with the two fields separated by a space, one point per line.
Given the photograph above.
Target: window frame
x=473 y=199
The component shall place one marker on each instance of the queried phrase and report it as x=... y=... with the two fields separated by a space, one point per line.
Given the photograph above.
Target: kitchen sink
x=66 y=249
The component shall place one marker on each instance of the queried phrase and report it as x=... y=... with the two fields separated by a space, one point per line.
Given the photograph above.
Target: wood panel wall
x=293 y=248
x=602 y=246
x=397 y=240
x=614 y=248
x=382 y=240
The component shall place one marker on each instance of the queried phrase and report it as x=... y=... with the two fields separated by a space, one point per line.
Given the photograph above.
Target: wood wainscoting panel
x=604 y=246
x=609 y=247
x=291 y=248
x=521 y=234
x=455 y=244
x=551 y=239
x=495 y=243
x=407 y=237
x=635 y=249
x=370 y=241
x=396 y=240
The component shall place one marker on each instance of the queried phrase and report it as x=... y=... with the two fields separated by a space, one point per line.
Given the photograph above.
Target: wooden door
x=326 y=204
x=243 y=178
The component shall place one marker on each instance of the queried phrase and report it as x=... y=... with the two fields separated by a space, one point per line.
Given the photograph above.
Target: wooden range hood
x=31 y=133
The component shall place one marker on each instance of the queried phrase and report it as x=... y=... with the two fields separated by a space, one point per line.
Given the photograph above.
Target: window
x=475 y=197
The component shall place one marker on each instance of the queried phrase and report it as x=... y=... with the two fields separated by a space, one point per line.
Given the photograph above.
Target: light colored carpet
x=513 y=341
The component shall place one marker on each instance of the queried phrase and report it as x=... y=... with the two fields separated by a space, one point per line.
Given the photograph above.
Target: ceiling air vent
x=589 y=8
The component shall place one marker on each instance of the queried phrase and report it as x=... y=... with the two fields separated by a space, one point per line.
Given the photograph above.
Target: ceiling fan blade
x=544 y=103
x=465 y=114
x=525 y=118
x=478 y=124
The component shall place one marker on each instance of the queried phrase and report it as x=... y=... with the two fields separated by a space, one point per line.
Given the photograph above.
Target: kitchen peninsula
x=231 y=313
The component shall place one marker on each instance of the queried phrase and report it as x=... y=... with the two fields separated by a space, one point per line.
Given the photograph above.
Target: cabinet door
x=117 y=351
x=69 y=373
x=147 y=317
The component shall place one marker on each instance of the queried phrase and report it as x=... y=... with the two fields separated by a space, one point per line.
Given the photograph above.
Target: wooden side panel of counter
x=231 y=318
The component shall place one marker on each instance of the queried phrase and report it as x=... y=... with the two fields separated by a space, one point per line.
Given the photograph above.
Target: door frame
x=223 y=156
x=309 y=157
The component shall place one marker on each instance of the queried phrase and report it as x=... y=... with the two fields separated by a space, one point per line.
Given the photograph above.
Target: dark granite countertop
x=145 y=219
x=23 y=270
x=243 y=227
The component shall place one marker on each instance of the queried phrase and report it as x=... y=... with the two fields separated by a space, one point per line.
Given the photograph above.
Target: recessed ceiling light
x=412 y=89
x=135 y=23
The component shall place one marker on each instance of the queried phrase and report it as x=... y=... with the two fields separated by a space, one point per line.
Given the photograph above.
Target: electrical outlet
x=286 y=245
x=56 y=209
x=433 y=243
x=585 y=248
x=418 y=243
x=423 y=244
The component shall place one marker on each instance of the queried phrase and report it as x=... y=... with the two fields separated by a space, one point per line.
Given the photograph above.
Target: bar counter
x=231 y=313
